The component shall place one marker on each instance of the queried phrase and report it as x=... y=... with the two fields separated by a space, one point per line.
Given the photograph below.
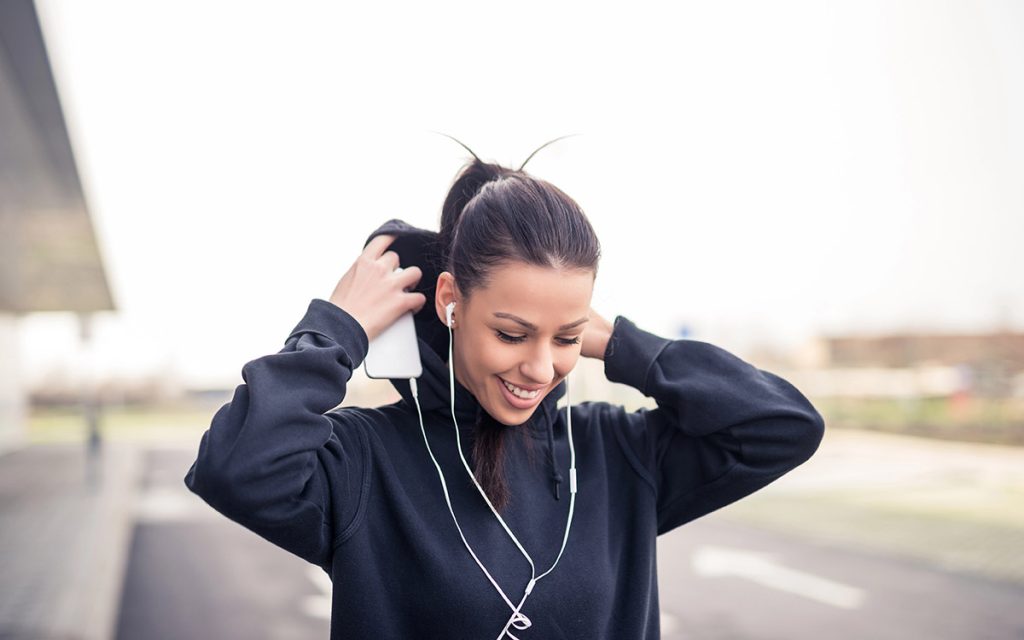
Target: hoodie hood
x=421 y=248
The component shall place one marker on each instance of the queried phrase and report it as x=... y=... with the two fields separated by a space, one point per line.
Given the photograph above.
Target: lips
x=516 y=401
x=524 y=387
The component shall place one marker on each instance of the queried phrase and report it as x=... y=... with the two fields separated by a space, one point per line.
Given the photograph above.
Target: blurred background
x=831 y=191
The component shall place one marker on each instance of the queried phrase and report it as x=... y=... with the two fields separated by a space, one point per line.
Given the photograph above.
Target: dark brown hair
x=491 y=217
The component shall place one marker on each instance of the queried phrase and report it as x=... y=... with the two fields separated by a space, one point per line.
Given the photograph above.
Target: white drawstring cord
x=518 y=619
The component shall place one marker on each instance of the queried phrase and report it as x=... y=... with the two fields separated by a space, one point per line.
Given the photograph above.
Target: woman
x=380 y=497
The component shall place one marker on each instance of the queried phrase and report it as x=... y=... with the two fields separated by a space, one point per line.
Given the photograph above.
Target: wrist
x=595 y=340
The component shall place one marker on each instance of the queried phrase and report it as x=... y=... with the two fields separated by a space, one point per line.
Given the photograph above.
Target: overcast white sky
x=761 y=172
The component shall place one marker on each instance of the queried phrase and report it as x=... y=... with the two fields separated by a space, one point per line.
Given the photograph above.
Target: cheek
x=489 y=355
x=566 y=362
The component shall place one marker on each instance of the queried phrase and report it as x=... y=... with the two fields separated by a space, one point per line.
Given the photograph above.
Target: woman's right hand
x=371 y=291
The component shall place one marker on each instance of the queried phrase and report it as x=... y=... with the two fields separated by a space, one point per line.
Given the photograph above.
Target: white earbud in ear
x=449 y=310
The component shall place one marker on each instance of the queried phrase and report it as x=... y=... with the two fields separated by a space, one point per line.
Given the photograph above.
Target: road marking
x=764 y=569
x=318 y=606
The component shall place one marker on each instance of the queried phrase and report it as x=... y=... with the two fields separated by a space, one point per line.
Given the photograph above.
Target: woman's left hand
x=595 y=336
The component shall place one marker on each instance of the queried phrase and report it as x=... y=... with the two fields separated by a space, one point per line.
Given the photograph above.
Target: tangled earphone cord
x=518 y=620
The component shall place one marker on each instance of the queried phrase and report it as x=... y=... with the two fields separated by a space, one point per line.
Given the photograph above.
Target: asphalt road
x=192 y=573
x=721 y=580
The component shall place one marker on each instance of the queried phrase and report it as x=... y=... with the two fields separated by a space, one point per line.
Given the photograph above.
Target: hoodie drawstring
x=556 y=477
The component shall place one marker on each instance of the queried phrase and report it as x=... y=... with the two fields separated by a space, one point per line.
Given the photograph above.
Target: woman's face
x=525 y=328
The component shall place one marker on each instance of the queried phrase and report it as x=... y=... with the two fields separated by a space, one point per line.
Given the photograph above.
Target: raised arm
x=272 y=460
x=722 y=428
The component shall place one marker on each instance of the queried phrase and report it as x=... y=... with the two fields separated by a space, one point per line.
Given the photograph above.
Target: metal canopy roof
x=49 y=260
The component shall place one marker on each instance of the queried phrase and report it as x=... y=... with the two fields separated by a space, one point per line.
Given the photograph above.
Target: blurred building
x=49 y=259
x=978 y=350
x=915 y=365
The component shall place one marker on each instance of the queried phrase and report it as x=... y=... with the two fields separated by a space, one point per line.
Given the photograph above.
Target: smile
x=519 y=391
x=518 y=397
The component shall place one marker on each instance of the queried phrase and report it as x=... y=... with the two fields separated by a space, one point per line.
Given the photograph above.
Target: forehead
x=543 y=295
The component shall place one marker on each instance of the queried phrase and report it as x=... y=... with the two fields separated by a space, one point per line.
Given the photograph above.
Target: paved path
x=192 y=573
x=720 y=579
x=65 y=525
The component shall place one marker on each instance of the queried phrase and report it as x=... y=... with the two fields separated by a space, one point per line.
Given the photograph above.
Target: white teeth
x=519 y=393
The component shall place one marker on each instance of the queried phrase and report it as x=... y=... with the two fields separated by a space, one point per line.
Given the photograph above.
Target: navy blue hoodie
x=354 y=491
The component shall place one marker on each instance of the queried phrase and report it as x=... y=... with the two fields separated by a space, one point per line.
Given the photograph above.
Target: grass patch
x=120 y=423
x=968 y=419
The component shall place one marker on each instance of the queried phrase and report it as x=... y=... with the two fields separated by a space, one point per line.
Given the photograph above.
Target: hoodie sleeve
x=722 y=428
x=272 y=460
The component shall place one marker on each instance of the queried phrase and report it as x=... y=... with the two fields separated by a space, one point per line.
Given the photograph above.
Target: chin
x=517 y=424
x=509 y=417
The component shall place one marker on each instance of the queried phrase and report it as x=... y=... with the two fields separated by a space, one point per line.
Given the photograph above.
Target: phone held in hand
x=395 y=353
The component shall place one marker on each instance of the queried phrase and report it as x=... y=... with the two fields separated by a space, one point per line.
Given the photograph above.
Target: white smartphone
x=395 y=353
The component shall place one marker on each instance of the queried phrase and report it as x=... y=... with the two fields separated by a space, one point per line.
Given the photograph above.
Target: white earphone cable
x=518 y=619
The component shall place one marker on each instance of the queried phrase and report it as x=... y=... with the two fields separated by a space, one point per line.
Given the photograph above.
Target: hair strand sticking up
x=542 y=146
x=460 y=144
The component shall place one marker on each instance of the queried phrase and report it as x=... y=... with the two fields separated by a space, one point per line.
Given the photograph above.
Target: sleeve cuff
x=331 y=321
x=631 y=353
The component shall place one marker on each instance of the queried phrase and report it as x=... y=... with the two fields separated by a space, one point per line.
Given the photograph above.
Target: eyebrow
x=533 y=327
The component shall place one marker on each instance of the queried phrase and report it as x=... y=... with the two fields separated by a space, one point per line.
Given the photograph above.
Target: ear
x=446 y=292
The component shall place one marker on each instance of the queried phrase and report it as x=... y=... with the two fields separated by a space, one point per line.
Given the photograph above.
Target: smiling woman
x=371 y=493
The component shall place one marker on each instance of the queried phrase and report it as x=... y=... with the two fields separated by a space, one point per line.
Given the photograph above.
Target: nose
x=539 y=367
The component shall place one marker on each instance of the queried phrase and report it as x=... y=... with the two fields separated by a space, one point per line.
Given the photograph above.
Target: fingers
x=410 y=276
x=375 y=248
x=416 y=301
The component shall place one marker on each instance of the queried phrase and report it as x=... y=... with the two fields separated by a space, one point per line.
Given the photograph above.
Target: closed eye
x=517 y=339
